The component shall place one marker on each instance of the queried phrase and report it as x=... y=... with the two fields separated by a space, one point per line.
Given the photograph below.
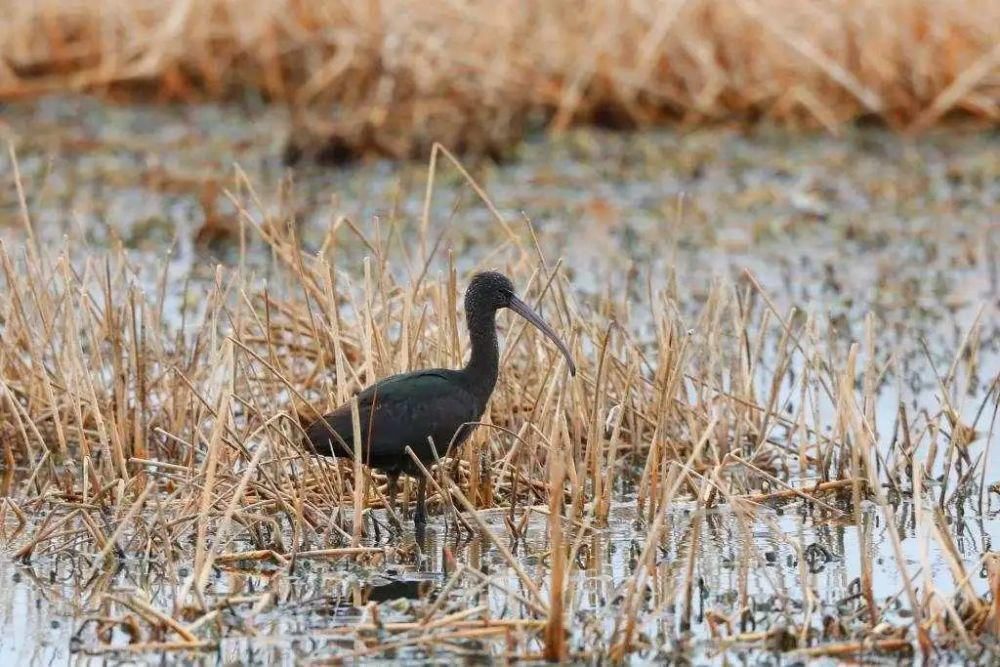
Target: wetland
x=779 y=447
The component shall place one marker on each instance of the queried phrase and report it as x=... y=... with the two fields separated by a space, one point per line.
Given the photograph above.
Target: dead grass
x=138 y=438
x=396 y=75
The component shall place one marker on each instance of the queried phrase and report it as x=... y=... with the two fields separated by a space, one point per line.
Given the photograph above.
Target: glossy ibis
x=439 y=404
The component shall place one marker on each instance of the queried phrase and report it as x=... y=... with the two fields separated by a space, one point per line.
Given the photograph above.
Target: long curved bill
x=525 y=311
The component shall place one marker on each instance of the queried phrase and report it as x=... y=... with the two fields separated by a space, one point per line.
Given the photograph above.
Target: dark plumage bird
x=405 y=410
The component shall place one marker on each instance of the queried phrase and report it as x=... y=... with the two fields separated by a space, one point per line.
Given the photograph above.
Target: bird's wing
x=402 y=410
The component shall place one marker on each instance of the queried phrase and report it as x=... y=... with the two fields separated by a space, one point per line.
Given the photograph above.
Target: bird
x=439 y=405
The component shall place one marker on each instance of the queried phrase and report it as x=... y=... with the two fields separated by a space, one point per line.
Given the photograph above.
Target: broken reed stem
x=555 y=635
x=359 y=476
x=692 y=545
x=150 y=648
x=145 y=609
x=22 y=203
x=857 y=649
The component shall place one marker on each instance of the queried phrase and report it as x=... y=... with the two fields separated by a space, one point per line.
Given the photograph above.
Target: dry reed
x=135 y=438
x=393 y=76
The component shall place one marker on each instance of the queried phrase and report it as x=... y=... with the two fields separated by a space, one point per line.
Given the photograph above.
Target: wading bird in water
x=438 y=405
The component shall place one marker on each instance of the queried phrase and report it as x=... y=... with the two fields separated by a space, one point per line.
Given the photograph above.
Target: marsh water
x=43 y=606
x=837 y=226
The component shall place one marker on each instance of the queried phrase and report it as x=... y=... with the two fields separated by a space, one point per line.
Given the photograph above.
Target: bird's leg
x=391 y=491
x=420 y=515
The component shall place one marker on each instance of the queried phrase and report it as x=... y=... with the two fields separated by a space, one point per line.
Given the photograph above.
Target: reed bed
x=151 y=452
x=393 y=76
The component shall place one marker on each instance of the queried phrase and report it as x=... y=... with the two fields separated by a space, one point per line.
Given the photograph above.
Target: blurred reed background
x=391 y=76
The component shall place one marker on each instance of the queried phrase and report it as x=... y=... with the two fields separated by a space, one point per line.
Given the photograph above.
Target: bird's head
x=490 y=291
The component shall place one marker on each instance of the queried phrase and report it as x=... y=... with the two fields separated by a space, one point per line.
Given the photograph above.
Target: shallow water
x=42 y=609
x=838 y=227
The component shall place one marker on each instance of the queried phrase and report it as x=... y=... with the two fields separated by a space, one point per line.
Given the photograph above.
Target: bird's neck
x=484 y=362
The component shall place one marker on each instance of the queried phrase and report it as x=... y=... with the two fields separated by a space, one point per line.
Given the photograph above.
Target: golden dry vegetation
x=392 y=76
x=135 y=442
